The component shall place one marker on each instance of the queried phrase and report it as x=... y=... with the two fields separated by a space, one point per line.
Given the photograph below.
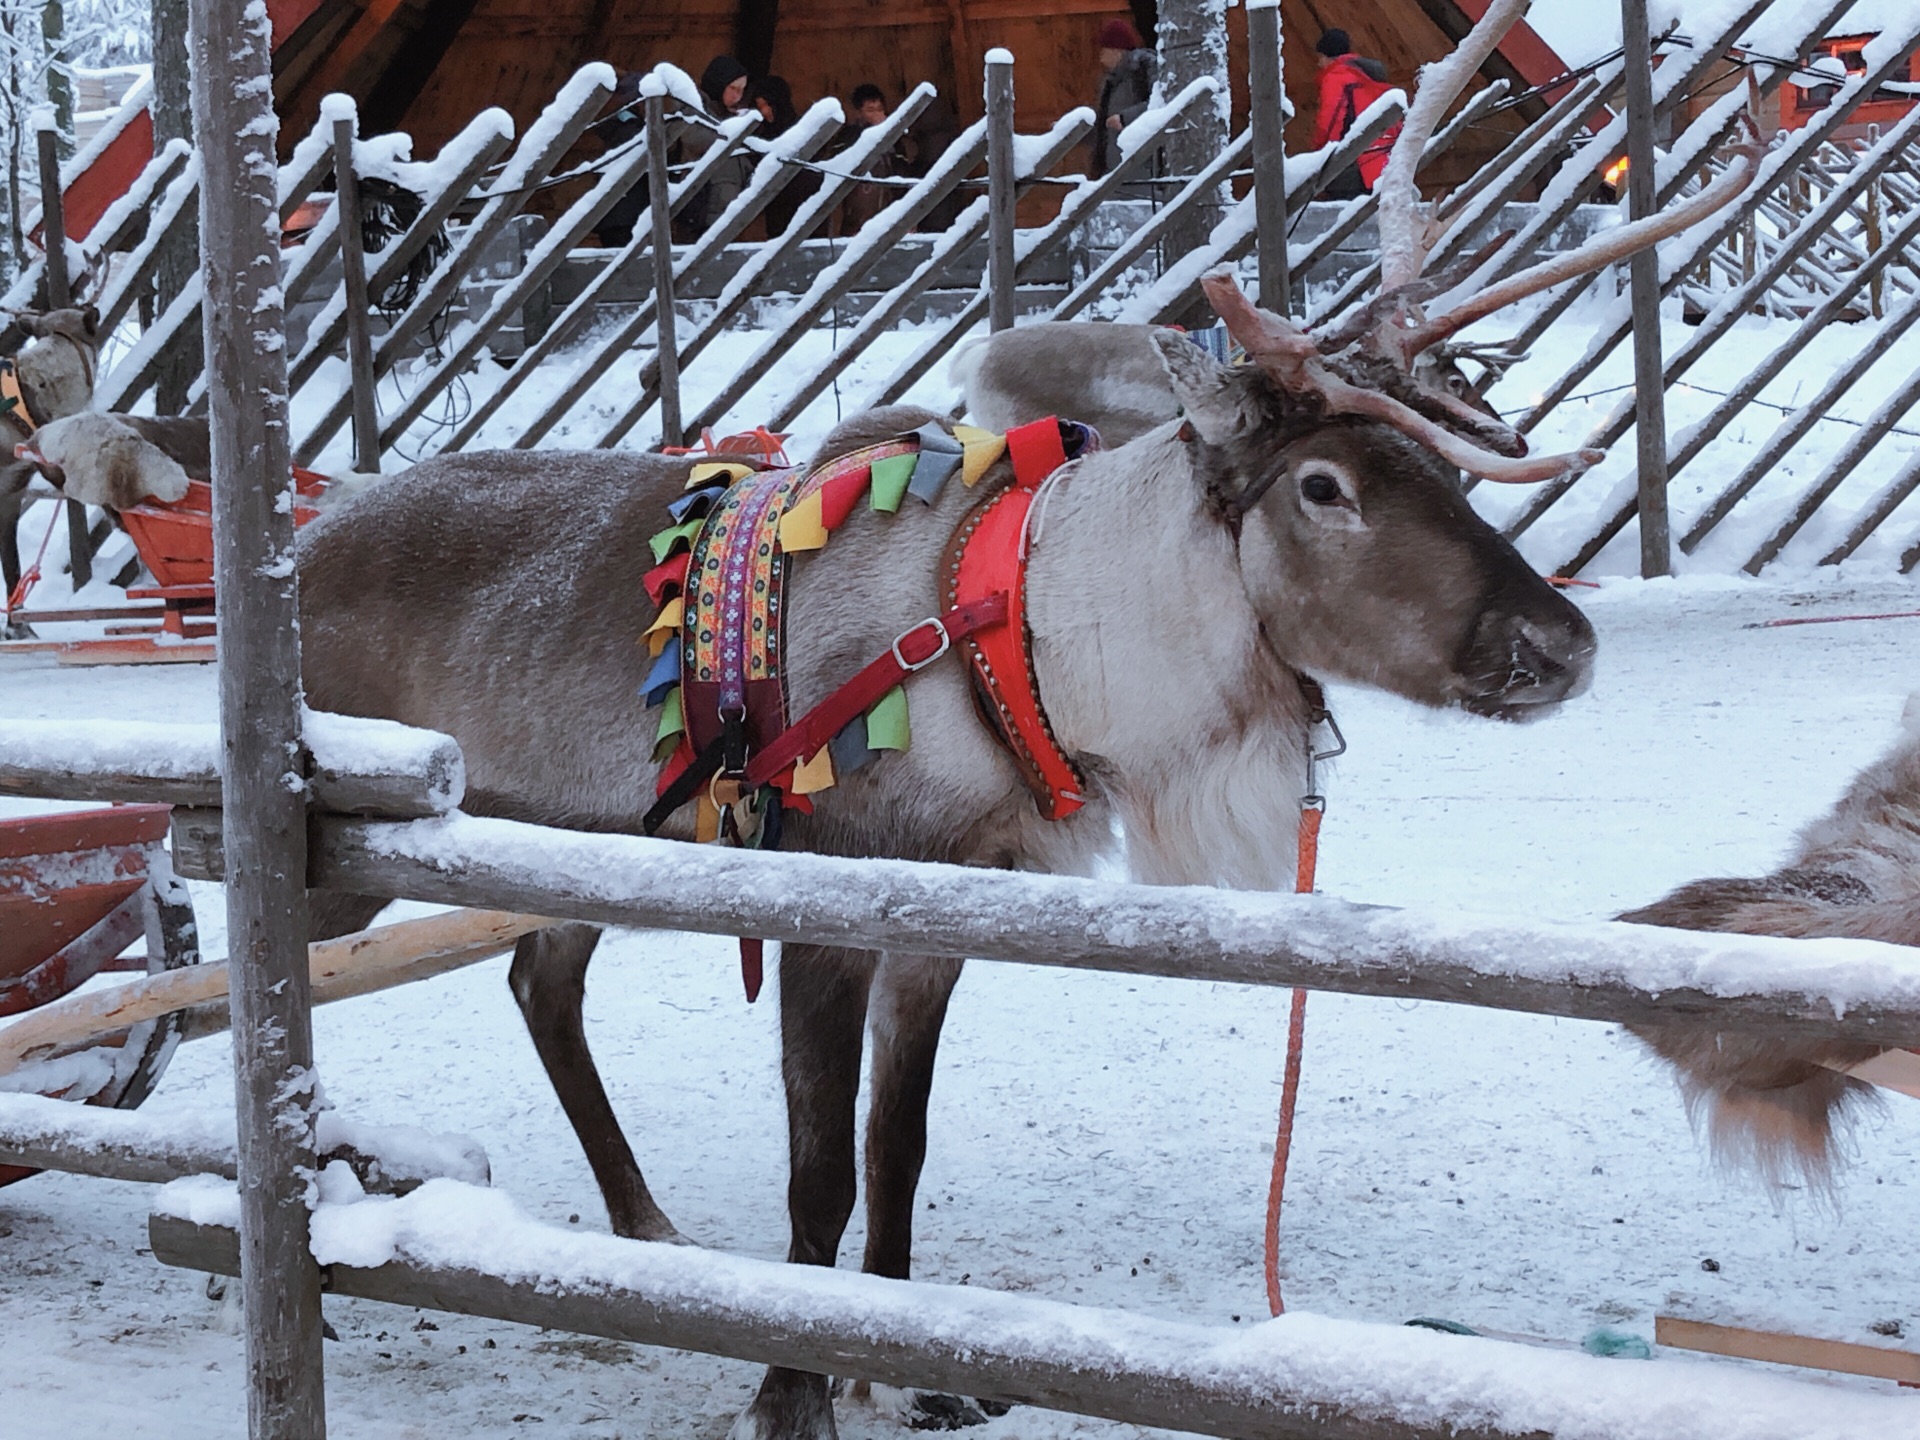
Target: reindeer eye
x=1321 y=489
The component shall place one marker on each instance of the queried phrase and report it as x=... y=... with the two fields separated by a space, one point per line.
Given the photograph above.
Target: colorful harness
x=719 y=579
x=13 y=401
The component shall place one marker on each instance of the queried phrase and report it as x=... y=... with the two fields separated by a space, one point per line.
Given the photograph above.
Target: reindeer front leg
x=823 y=1016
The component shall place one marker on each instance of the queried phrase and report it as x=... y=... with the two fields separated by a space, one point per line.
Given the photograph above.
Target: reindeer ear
x=90 y=318
x=1211 y=396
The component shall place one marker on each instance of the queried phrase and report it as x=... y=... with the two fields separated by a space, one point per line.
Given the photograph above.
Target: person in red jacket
x=1349 y=83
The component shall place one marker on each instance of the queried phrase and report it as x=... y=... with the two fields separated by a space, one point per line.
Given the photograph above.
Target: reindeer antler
x=1389 y=360
x=1406 y=226
x=1290 y=355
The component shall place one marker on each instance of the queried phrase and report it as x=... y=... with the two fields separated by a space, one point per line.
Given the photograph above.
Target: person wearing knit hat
x=1126 y=85
x=1349 y=83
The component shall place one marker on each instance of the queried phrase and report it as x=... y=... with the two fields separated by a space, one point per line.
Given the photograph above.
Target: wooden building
x=426 y=66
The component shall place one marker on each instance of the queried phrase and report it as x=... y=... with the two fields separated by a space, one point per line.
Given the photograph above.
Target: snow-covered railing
x=360 y=766
x=452 y=1247
x=1596 y=971
x=50 y=1134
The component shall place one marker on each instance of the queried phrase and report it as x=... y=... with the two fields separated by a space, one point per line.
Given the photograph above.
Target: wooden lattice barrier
x=1295 y=1378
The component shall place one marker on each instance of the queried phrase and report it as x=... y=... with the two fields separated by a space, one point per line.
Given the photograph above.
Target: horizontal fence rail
x=1300 y=1377
x=1633 y=974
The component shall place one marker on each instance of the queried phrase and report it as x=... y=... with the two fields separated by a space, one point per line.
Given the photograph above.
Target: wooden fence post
x=1269 y=127
x=353 y=272
x=1649 y=383
x=1000 y=189
x=53 y=234
x=265 y=823
x=660 y=208
x=53 y=223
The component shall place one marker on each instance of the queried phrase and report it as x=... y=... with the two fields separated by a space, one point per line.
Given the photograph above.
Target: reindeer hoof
x=791 y=1405
x=929 y=1409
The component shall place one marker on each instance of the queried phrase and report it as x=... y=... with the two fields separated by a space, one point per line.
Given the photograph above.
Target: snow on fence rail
x=1596 y=971
x=1301 y=1377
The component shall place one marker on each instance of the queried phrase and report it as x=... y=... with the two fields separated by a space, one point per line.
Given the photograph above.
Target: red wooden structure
x=176 y=625
x=76 y=890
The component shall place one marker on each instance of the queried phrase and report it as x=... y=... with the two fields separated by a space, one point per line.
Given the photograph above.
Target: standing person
x=773 y=98
x=1126 y=85
x=933 y=132
x=723 y=85
x=1349 y=83
x=867 y=107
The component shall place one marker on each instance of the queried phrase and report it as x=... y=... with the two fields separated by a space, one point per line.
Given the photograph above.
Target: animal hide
x=99 y=459
x=1780 y=1106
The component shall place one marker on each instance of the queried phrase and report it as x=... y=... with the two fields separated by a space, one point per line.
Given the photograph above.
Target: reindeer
x=1781 y=1105
x=55 y=372
x=1303 y=518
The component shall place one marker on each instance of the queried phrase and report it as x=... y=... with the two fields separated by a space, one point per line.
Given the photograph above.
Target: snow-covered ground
x=1102 y=1139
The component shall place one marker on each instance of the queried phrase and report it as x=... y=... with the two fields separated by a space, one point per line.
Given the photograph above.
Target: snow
x=1104 y=1140
x=341 y=744
x=999 y=55
x=335 y=106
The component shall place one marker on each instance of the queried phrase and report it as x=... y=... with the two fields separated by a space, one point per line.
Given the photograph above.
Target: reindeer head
x=79 y=324
x=57 y=367
x=1363 y=559
x=1334 y=453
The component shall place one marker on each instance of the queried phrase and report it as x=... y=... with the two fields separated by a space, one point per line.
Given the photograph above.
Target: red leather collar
x=988 y=555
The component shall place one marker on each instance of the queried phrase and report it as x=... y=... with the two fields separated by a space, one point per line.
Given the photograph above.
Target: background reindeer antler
x=1390 y=360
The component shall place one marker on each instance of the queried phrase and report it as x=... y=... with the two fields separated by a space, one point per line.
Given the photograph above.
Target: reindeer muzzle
x=28 y=451
x=1521 y=662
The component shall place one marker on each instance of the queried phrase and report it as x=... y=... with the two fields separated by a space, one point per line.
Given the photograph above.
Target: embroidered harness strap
x=722 y=686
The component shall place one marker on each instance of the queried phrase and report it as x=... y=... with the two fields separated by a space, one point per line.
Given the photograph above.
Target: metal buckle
x=946 y=644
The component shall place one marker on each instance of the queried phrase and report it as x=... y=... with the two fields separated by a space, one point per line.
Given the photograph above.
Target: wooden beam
x=1804 y=1351
x=390 y=94
x=123 y=1145
x=1000 y=178
x=1580 y=971
x=260 y=704
x=338 y=969
x=755 y=33
x=171 y=764
x=353 y=280
x=1303 y=1377
x=1649 y=384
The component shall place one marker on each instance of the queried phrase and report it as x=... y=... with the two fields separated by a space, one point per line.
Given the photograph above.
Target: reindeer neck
x=1153 y=668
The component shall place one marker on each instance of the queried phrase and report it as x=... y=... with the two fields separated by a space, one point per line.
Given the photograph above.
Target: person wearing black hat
x=1349 y=83
x=723 y=85
x=1126 y=85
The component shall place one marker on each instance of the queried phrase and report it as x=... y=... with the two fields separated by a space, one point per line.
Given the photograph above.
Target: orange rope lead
x=32 y=575
x=1310 y=816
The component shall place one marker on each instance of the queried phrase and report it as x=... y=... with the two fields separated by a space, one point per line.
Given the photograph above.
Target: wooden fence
x=1292 y=1381
x=1832 y=236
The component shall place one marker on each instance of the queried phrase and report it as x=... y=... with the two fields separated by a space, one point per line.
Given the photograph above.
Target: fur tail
x=1781 y=1108
x=1769 y=1106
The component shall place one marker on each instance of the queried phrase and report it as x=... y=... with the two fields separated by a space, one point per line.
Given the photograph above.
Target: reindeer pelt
x=100 y=459
x=1779 y=1107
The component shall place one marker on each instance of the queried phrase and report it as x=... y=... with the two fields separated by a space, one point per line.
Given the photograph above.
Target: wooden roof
x=426 y=66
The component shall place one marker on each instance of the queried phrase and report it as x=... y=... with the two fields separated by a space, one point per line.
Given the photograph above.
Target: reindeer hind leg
x=549 y=980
